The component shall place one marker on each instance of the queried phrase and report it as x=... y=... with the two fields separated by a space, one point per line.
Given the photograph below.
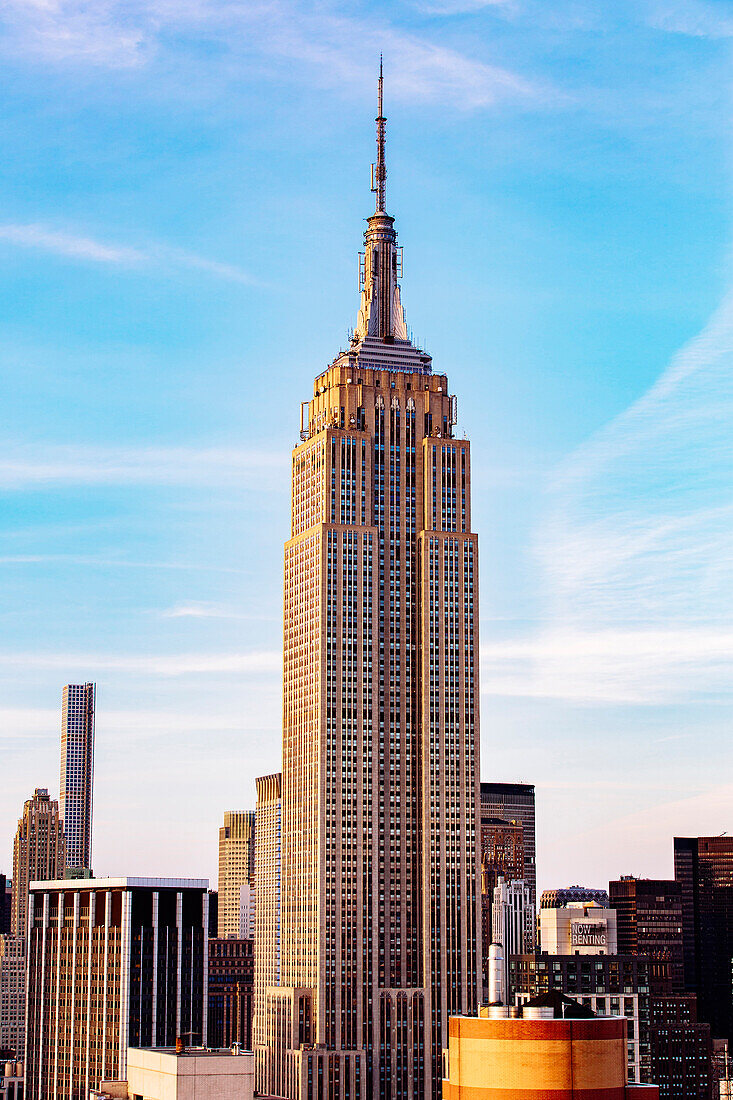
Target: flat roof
x=77 y=885
x=193 y=1052
x=505 y=788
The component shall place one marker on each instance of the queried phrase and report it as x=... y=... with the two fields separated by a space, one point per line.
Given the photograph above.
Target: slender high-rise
x=77 y=775
x=380 y=928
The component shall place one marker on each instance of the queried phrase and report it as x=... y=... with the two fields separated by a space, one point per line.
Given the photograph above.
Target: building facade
x=182 y=1075
x=6 y=904
x=12 y=997
x=502 y=851
x=12 y=1082
x=111 y=963
x=380 y=896
x=649 y=919
x=231 y=992
x=613 y=985
x=512 y=922
x=268 y=871
x=39 y=852
x=77 y=776
x=247 y=910
x=236 y=867
x=681 y=1049
x=555 y=899
x=703 y=866
x=580 y=928
x=514 y=802
x=502 y=855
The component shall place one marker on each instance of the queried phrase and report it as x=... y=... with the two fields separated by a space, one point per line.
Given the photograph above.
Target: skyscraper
x=514 y=802
x=512 y=923
x=236 y=867
x=380 y=894
x=703 y=866
x=502 y=855
x=39 y=852
x=649 y=915
x=112 y=964
x=77 y=775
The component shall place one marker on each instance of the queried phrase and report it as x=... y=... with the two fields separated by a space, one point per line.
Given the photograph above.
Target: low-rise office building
x=11 y=1080
x=578 y=928
x=183 y=1074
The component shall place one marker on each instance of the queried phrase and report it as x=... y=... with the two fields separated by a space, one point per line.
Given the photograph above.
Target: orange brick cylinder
x=550 y=1059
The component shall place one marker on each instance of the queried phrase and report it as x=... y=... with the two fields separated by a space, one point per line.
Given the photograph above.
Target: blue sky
x=181 y=203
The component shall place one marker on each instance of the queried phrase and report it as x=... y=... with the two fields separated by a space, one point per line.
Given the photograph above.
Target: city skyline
x=146 y=475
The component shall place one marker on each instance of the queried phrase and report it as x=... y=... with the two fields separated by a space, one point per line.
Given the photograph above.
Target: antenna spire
x=379 y=173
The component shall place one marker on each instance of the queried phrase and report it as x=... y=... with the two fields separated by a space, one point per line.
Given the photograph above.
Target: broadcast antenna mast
x=379 y=170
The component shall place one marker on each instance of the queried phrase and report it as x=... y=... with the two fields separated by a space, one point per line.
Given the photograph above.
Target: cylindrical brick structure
x=550 y=1059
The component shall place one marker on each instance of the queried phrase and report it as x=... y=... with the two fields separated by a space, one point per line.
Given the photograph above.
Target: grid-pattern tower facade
x=703 y=866
x=380 y=892
x=112 y=964
x=268 y=872
x=77 y=774
x=236 y=867
x=12 y=995
x=515 y=802
x=231 y=976
x=649 y=916
x=39 y=852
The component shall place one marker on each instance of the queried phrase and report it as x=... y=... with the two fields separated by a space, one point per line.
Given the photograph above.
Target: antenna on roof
x=379 y=170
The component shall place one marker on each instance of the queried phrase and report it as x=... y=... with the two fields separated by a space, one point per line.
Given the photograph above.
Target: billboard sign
x=588 y=933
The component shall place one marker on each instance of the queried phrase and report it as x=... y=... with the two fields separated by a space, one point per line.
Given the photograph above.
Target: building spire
x=381 y=320
x=379 y=170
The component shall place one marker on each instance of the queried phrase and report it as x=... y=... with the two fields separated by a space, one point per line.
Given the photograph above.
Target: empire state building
x=378 y=929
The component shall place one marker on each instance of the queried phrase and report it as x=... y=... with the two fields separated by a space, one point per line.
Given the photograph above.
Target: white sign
x=588 y=934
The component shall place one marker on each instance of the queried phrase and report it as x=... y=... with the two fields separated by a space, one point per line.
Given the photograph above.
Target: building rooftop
x=195 y=1052
x=121 y=883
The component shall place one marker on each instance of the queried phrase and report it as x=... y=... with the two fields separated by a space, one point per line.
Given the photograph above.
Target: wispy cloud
x=96 y=560
x=638 y=548
x=27 y=467
x=201 y=609
x=612 y=666
x=134 y=723
x=179 y=664
x=78 y=248
x=695 y=18
x=87 y=249
x=461 y=7
x=336 y=47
